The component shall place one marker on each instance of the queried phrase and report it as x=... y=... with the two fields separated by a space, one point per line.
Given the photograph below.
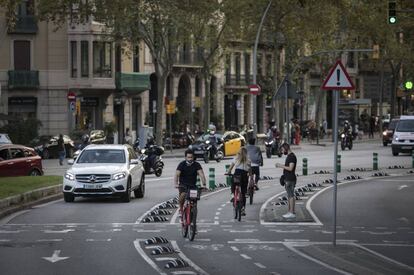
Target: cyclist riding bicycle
x=256 y=157
x=186 y=176
x=242 y=164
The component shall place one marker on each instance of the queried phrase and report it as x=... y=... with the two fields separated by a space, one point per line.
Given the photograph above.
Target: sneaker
x=256 y=187
x=289 y=215
x=243 y=212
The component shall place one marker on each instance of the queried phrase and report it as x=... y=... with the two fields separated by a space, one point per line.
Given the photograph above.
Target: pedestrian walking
x=371 y=126
x=290 y=179
x=128 y=137
x=61 y=149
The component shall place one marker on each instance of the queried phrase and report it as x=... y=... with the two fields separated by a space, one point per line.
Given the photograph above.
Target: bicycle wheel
x=251 y=193
x=184 y=223
x=239 y=208
x=235 y=203
x=193 y=225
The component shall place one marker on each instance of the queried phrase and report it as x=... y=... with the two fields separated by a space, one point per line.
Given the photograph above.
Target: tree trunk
x=161 y=82
x=207 y=100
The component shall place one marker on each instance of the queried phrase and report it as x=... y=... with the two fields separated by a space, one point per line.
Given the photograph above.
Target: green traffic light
x=392 y=20
x=409 y=85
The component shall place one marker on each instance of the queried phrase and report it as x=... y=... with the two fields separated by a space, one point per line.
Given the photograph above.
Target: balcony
x=238 y=80
x=24 y=25
x=23 y=80
x=188 y=59
x=132 y=82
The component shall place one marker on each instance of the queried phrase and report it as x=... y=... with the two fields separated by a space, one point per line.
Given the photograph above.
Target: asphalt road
x=104 y=236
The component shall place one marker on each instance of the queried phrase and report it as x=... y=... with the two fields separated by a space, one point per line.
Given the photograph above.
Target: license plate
x=92 y=186
x=199 y=152
x=406 y=147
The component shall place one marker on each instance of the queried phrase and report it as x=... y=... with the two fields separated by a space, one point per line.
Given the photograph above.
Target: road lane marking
x=218 y=213
x=379 y=233
x=146 y=258
x=49 y=240
x=245 y=256
x=11 y=231
x=58 y=231
x=234 y=248
x=184 y=273
x=4 y=240
x=55 y=257
x=160 y=259
x=139 y=220
x=98 y=240
x=402 y=187
x=158 y=179
x=184 y=257
x=260 y=265
x=147 y=230
x=285 y=231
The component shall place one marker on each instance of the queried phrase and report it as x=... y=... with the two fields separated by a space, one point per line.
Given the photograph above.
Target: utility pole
x=254 y=97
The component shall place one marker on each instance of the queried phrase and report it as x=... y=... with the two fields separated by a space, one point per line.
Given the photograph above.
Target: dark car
x=199 y=146
x=389 y=131
x=19 y=160
x=49 y=149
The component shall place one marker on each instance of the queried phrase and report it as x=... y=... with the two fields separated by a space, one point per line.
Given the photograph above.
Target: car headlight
x=343 y=135
x=119 y=176
x=271 y=142
x=384 y=133
x=396 y=138
x=142 y=151
x=69 y=176
x=207 y=142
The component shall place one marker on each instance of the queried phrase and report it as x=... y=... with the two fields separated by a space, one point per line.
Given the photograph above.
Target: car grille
x=93 y=178
x=93 y=191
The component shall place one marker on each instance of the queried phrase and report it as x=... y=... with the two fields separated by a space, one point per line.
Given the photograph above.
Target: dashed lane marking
x=160 y=259
x=184 y=273
x=49 y=240
x=234 y=248
x=98 y=240
x=379 y=233
x=58 y=231
x=148 y=230
x=245 y=257
x=260 y=265
x=285 y=231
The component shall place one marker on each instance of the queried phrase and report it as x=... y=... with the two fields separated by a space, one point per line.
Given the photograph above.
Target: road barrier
x=212 y=178
x=228 y=178
x=375 y=161
x=338 y=164
x=305 y=167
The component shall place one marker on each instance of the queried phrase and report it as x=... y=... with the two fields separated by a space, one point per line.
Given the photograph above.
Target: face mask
x=189 y=162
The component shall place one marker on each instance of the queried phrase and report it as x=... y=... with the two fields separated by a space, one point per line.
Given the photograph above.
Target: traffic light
x=392 y=12
x=408 y=85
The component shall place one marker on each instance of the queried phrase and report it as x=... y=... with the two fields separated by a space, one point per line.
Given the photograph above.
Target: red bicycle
x=189 y=213
x=237 y=199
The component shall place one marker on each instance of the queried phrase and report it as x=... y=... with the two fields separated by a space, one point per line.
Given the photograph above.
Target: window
x=237 y=65
x=16 y=153
x=21 y=50
x=118 y=58
x=73 y=59
x=102 y=59
x=84 y=59
x=228 y=69
x=25 y=8
x=350 y=61
x=136 y=59
x=247 y=67
x=4 y=154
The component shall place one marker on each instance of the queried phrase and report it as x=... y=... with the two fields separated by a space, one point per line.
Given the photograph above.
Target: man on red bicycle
x=186 y=176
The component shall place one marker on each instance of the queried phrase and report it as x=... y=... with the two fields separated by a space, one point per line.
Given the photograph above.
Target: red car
x=19 y=160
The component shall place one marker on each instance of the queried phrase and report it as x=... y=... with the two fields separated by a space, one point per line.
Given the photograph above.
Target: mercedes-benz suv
x=105 y=170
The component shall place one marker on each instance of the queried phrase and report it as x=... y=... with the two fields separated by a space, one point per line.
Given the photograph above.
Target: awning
x=132 y=82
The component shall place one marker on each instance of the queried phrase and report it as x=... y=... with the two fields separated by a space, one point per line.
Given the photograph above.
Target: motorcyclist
x=347 y=128
x=85 y=141
x=214 y=140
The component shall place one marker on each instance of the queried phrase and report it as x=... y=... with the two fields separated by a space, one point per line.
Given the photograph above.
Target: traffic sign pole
x=335 y=176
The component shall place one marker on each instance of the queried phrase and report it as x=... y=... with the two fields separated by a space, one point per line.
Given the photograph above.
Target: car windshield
x=102 y=156
x=392 y=124
x=405 y=126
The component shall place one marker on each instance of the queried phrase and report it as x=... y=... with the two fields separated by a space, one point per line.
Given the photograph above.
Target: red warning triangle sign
x=338 y=78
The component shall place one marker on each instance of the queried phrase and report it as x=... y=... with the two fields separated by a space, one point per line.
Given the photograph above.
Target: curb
x=29 y=199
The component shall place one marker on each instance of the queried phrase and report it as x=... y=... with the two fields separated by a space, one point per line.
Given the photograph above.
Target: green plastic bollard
x=211 y=178
x=228 y=178
x=305 y=167
x=338 y=164
x=375 y=161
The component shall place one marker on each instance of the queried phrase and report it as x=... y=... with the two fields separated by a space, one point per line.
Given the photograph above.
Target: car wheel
x=126 y=196
x=45 y=154
x=395 y=153
x=158 y=172
x=68 y=197
x=140 y=192
x=35 y=172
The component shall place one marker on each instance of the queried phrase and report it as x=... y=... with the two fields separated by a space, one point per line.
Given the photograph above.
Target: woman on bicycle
x=243 y=169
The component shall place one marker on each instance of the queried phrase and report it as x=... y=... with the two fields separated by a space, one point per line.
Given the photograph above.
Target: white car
x=105 y=170
x=4 y=139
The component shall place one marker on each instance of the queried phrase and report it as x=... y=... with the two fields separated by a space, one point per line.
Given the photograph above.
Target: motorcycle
x=205 y=151
x=151 y=159
x=346 y=140
x=273 y=147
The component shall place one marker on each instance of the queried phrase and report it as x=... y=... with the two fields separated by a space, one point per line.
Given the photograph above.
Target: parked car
x=389 y=131
x=105 y=170
x=4 y=139
x=231 y=142
x=19 y=160
x=49 y=149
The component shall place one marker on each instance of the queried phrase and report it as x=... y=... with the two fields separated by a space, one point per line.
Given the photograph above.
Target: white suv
x=403 y=139
x=105 y=170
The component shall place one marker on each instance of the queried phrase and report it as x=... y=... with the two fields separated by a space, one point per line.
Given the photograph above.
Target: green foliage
x=11 y=186
x=110 y=128
x=22 y=131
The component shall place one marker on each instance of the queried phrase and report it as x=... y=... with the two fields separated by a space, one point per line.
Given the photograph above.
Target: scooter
x=151 y=159
x=273 y=147
x=346 y=140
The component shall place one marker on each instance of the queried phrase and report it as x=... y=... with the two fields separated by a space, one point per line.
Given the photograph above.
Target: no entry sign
x=254 y=89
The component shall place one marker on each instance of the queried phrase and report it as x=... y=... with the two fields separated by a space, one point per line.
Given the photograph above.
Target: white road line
x=296 y=240
x=285 y=231
x=160 y=259
x=290 y=246
x=98 y=240
x=384 y=257
x=147 y=230
x=11 y=231
x=49 y=240
x=158 y=179
x=146 y=258
x=223 y=205
x=4 y=240
x=219 y=209
x=242 y=231
x=260 y=265
x=218 y=213
x=184 y=273
x=203 y=240
x=246 y=257
x=193 y=265
x=379 y=233
x=58 y=231
x=234 y=248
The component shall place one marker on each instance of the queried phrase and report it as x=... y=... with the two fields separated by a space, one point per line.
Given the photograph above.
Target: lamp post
x=254 y=97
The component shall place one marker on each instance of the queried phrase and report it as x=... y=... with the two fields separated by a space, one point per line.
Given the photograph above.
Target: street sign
x=254 y=89
x=338 y=78
x=72 y=106
x=71 y=96
x=170 y=109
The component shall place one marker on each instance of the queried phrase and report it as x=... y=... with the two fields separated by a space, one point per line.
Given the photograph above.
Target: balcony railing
x=24 y=24
x=23 y=80
x=133 y=82
x=238 y=80
x=189 y=58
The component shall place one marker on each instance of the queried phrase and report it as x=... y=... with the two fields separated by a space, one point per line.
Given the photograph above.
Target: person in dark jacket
x=256 y=158
x=61 y=149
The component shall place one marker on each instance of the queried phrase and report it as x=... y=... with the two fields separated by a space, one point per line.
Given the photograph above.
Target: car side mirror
x=134 y=161
x=71 y=161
